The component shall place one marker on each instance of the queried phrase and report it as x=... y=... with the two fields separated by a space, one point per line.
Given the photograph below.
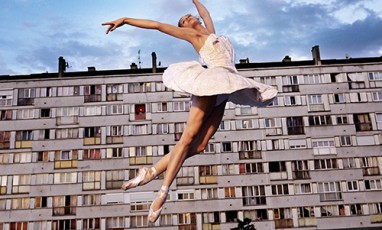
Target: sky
x=35 y=33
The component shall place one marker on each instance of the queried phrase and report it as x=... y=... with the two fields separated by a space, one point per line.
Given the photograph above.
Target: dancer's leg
x=208 y=130
x=201 y=109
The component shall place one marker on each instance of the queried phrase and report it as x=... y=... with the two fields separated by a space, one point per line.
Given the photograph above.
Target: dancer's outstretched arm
x=186 y=34
x=205 y=15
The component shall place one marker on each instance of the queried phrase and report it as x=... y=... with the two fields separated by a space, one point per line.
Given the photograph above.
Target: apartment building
x=311 y=160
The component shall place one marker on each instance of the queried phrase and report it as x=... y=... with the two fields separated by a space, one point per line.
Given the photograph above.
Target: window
x=254 y=195
x=92 y=93
x=65 y=178
x=377 y=96
x=92 y=110
x=320 y=120
x=315 y=99
x=244 y=124
x=42 y=179
x=114 y=109
x=6 y=98
x=161 y=107
x=137 y=221
x=210 y=217
x=68 y=111
x=339 y=98
x=375 y=208
x=312 y=79
x=290 y=84
x=373 y=184
x=3 y=184
x=303 y=188
x=295 y=125
x=45 y=113
x=282 y=213
x=209 y=193
x=229 y=192
x=114 y=92
x=92 y=223
x=140 y=111
x=272 y=122
x=300 y=170
x=139 y=87
x=369 y=166
x=41 y=202
x=225 y=125
x=91 y=200
x=24 y=135
x=355 y=209
x=323 y=146
x=22 y=157
x=325 y=164
x=162 y=128
x=92 y=132
x=329 y=191
x=4 y=139
x=69 y=133
x=375 y=76
x=257 y=214
x=91 y=180
x=91 y=154
x=20 y=203
x=68 y=91
x=226 y=147
x=349 y=163
x=26 y=96
x=64 y=205
x=280 y=189
x=21 y=184
x=228 y=169
x=251 y=168
x=114 y=152
x=345 y=140
x=290 y=100
x=210 y=148
x=181 y=106
x=342 y=119
x=5 y=115
x=277 y=166
x=362 y=122
x=185 y=176
x=186 y=195
x=332 y=210
x=352 y=186
x=208 y=170
x=114 y=179
x=305 y=212
x=187 y=219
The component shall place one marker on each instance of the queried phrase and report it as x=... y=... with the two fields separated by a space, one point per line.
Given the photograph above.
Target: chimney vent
x=287 y=59
x=133 y=66
x=91 y=69
x=316 y=55
x=154 y=61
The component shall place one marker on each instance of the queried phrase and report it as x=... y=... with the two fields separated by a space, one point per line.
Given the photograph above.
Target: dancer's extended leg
x=208 y=130
x=197 y=125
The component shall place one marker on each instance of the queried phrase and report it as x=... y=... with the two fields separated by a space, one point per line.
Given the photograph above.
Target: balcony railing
x=329 y=196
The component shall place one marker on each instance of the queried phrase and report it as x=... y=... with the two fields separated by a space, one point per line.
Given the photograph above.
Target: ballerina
x=210 y=89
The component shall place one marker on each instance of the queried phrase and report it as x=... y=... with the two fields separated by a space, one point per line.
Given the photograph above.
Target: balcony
x=301 y=175
x=284 y=223
x=252 y=154
x=143 y=160
x=370 y=171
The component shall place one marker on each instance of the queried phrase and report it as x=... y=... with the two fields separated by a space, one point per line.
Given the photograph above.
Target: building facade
x=311 y=160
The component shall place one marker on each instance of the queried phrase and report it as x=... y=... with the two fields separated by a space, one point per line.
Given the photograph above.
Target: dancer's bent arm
x=205 y=15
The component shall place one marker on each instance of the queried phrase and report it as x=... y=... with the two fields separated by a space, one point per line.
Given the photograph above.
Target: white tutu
x=221 y=76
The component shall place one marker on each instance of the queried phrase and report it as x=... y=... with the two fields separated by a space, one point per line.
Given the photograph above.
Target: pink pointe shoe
x=162 y=195
x=143 y=177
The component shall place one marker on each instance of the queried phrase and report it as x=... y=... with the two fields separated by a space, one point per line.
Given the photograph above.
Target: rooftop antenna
x=139 y=58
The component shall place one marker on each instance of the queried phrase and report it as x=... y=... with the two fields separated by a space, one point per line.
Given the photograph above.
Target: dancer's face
x=188 y=20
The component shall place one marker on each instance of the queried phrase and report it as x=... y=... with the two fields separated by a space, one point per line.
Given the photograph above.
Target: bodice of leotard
x=217 y=51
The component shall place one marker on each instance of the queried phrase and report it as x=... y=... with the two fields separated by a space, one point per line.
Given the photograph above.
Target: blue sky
x=34 y=33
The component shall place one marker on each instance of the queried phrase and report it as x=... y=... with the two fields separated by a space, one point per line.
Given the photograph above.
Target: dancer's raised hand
x=114 y=24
